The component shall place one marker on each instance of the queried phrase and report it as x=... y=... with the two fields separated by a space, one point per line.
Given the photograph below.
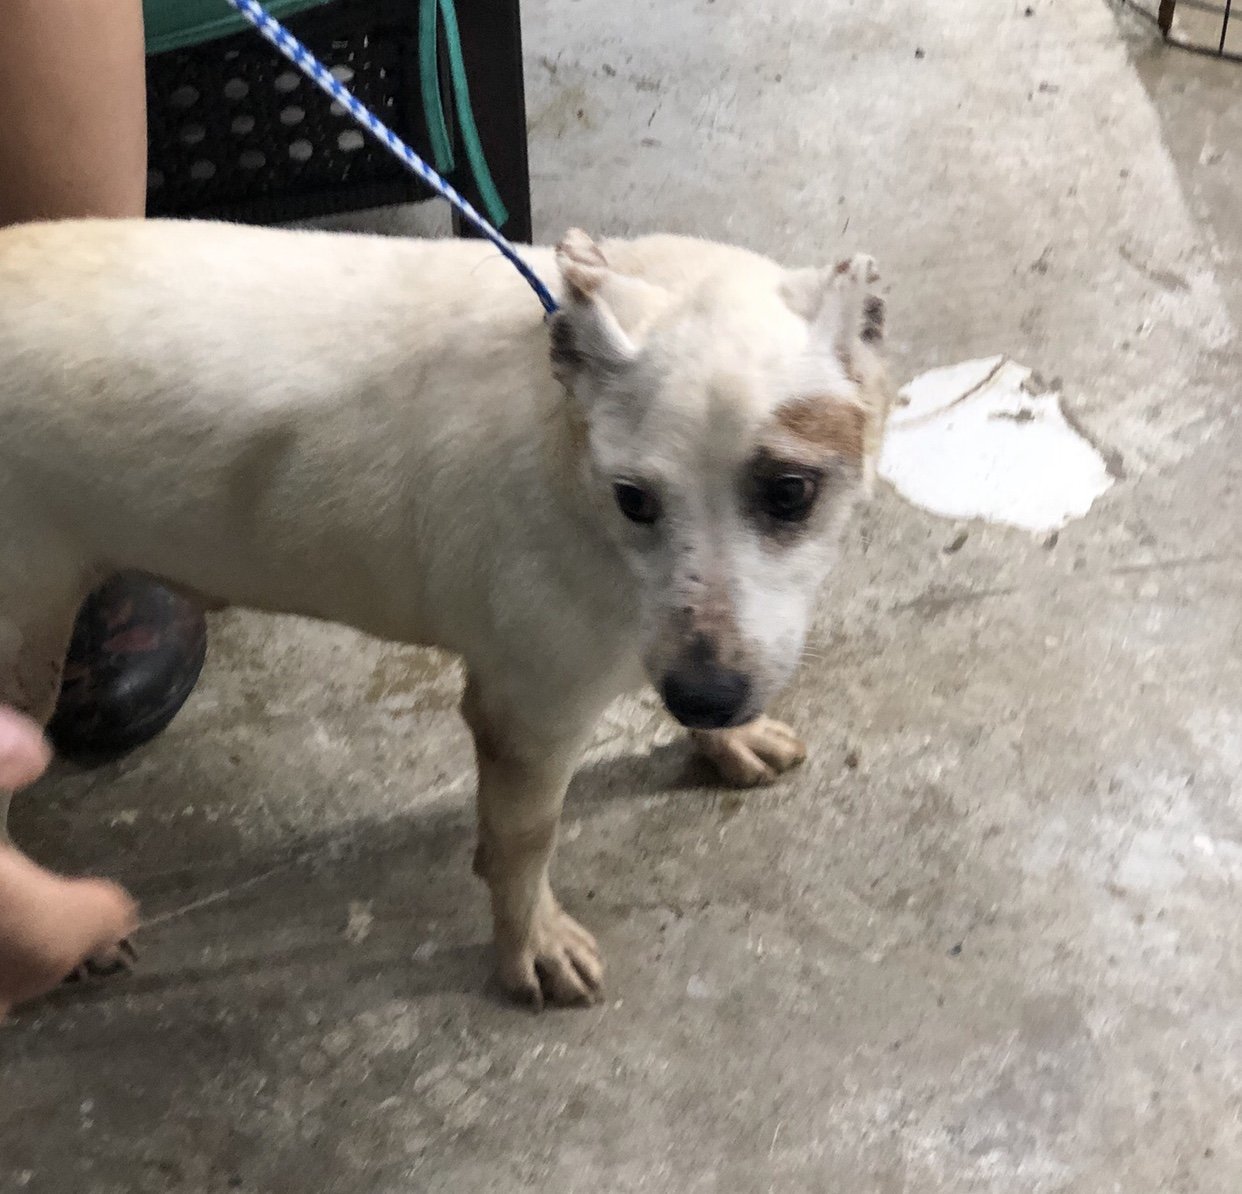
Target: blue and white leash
x=318 y=74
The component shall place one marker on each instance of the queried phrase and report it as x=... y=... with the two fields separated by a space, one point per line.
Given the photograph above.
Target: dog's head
x=732 y=413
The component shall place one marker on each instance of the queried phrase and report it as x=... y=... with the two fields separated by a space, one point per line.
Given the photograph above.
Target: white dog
x=387 y=434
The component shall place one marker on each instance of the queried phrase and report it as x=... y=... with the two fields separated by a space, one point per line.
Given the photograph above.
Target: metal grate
x=1201 y=26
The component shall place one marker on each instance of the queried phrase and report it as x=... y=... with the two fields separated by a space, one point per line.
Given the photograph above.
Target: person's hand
x=49 y=925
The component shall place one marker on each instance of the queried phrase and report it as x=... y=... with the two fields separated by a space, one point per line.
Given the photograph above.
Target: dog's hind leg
x=752 y=755
x=542 y=953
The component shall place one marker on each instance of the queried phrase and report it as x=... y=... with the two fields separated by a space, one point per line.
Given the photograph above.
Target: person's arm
x=73 y=140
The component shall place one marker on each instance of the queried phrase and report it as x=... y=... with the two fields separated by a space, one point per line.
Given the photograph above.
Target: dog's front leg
x=751 y=755
x=542 y=953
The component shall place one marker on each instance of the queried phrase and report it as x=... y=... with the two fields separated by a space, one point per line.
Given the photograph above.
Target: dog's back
x=173 y=394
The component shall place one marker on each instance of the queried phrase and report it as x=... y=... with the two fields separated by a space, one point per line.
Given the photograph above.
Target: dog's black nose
x=706 y=697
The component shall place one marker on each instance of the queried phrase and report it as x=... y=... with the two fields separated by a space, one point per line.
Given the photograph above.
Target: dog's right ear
x=587 y=340
x=838 y=303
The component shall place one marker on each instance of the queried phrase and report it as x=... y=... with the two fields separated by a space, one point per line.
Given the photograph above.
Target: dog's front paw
x=751 y=755
x=557 y=962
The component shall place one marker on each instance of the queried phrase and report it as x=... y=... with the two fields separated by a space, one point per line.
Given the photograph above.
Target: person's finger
x=50 y=925
x=24 y=752
x=108 y=914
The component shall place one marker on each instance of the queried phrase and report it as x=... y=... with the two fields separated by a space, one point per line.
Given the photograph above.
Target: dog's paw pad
x=752 y=755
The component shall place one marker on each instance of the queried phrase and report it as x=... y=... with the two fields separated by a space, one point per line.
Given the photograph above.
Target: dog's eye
x=636 y=503
x=788 y=497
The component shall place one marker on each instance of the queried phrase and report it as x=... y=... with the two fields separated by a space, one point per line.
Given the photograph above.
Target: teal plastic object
x=429 y=15
x=174 y=24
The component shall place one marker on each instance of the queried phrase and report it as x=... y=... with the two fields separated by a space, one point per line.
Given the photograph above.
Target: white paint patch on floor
x=982 y=439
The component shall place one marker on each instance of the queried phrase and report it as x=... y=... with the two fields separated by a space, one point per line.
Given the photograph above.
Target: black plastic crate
x=236 y=133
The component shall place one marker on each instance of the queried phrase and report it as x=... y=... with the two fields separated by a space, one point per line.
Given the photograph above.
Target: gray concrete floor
x=988 y=938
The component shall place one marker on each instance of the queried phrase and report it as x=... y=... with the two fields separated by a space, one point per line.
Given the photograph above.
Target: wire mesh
x=1200 y=26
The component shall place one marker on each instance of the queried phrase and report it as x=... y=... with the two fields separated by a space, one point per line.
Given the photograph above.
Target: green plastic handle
x=430 y=12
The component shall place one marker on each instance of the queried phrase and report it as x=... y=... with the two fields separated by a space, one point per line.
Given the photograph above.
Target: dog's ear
x=838 y=304
x=586 y=336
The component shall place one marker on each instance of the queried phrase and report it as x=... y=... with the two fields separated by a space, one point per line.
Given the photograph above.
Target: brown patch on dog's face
x=826 y=425
x=703 y=622
x=707 y=622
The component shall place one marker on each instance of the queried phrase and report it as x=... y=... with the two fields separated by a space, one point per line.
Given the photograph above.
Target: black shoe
x=136 y=654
